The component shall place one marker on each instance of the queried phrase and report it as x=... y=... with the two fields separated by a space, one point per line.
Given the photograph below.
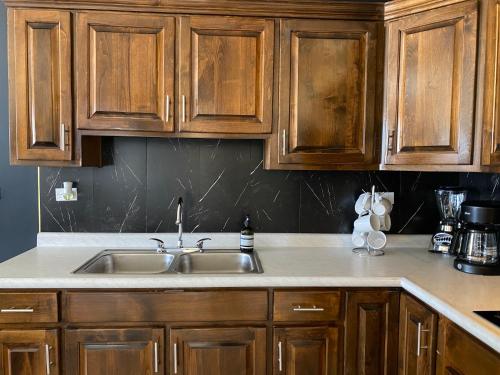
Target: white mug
x=385 y=222
x=359 y=238
x=363 y=203
x=381 y=206
x=367 y=223
x=376 y=240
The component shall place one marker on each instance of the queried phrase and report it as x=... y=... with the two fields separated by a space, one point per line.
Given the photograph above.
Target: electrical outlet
x=60 y=195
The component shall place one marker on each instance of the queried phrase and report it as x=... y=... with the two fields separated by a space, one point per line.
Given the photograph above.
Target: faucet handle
x=199 y=243
x=160 y=245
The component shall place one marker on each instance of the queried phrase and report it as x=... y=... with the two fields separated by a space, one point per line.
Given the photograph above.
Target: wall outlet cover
x=60 y=195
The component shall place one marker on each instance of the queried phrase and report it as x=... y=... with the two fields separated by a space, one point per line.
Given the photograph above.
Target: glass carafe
x=480 y=246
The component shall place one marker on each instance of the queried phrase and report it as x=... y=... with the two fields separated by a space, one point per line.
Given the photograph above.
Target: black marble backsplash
x=221 y=181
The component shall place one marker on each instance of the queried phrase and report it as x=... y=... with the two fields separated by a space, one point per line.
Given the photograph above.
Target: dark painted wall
x=18 y=186
x=220 y=182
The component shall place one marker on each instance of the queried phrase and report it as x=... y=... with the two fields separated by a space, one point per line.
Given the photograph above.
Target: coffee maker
x=478 y=238
x=448 y=200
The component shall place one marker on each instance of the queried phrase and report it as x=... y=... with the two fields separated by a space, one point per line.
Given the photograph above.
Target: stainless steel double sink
x=151 y=262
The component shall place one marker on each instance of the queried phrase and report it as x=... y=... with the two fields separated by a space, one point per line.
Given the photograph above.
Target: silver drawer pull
x=175 y=358
x=16 y=310
x=280 y=358
x=183 y=108
x=155 y=359
x=47 y=358
x=167 y=109
x=419 y=339
x=308 y=309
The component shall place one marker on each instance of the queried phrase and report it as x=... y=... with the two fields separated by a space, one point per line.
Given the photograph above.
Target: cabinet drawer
x=28 y=307
x=306 y=306
x=171 y=306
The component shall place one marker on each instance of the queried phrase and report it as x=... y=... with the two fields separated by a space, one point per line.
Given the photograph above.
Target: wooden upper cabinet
x=225 y=74
x=417 y=338
x=491 y=119
x=125 y=71
x=328 y=77
x=41 y=126
x=29 y=352
x=131 y=351
x=430 y=86
x=221 y=351
x=306 y=351
x=371 y=337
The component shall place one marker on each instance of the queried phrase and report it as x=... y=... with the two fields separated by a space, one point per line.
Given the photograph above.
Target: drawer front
x=306 y=306
x=168 y=306
x=28 y=308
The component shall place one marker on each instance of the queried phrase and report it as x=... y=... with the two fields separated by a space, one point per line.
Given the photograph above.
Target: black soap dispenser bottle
x=246 y=236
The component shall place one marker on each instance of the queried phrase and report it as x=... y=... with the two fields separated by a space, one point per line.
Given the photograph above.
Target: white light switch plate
x=60 y=195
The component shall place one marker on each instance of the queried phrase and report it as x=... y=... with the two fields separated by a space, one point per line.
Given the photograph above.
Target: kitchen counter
x=301 y=261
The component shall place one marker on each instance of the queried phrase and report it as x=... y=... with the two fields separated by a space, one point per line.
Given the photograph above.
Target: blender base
x=477 y=269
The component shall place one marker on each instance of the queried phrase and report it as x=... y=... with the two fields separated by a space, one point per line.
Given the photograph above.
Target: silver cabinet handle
x=280 y=358
x=155 y=359
x=183 y=108
x=47 y=358
x=63 y=137
x=16 y=310
x=390 y=141
x=308 y=309
x=175 y=358
x=419 y=338
x=167 y=109
x=283 y=140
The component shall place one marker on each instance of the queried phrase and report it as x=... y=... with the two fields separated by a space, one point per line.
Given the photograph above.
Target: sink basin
x=128 y=262
x=218 y=261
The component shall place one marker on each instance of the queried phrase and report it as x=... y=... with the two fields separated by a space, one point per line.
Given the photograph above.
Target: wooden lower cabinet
x=29 y=352
x=417 y=338
x=306 y=351
x=221 y=351
x=131 y=351
x=371 y=337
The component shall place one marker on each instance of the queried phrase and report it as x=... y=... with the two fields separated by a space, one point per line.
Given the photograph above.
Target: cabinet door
x=328 y=77
x=371 y=338
x=417 y=338
x=40 y=85
x=226 y=74
x=491 y=120
x=306 y=351
x=221 y=351
x=430 y=86
x=132 y=351
x=125 y=71
x=33 y=352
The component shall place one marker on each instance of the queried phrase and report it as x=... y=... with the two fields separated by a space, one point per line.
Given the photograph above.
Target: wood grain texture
x=226 y=74
x=371 y=337
x=411 y=360
x=165 y=306
x=461 y=354
x=430 y=87
x=23 y=352
x=39 y=55
x=124 y=71
x=307 y=351
x=128 y=351
x=286 y=301
x=44 y=305
x=328 y=78
x=221 y=351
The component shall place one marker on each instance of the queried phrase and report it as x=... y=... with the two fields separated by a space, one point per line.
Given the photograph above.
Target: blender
x=449 y=200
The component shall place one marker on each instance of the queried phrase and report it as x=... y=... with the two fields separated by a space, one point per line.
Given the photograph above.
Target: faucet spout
x=178 y=221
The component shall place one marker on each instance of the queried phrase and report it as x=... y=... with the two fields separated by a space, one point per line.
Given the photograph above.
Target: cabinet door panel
x=371 y=340
x=306 y=351
x=226 y=74
x=430 y=71
x=417 y=338
x=33 y=352
x=491 y=119
x=40 y=91
x=134 y=351
x=327 y=92
x=221 y=351
x=125 y=71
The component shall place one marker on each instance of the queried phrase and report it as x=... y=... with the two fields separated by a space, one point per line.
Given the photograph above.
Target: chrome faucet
x=178 y=222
